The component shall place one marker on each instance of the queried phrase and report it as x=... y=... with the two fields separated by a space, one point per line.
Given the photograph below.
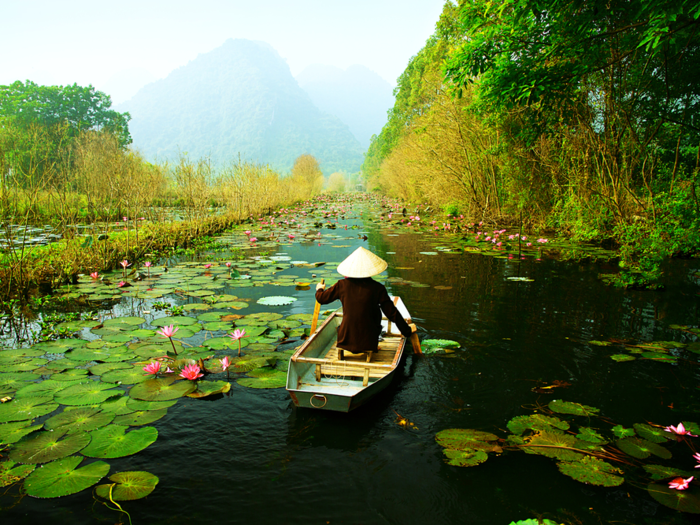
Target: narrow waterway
x=250 y=457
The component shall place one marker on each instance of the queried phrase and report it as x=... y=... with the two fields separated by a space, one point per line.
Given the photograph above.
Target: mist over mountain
x=358 y=96
x=240 y=98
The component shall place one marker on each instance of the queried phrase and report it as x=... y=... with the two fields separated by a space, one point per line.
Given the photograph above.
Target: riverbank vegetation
x=573 y=116
x=78 y=175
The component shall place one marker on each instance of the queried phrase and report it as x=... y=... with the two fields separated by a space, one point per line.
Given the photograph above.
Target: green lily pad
x=117 y=406
x=124 y=321
x=681 y=500
x=61 y=478
x=46 y=388
x=48 y=446
x=161 y=389
x=128 y=486
x=264 y=378
x=216 y=326
x=103 y=368
x=70 y=375
x=653 y=434
x=119 y=338
x=276 y=300
x=623 y=432
x=577 y=409
x=178 y=320
x=622 y=357
x=439 y=343
x=13 y=432
x=26 y=408
x=129 y=376
x=210 y=317
x=465 y=458
x=11 y=472
x=79 y=419
x=553 y=444
x=210 y=388
x=113 y=441
x=140 y=417
x=641 y=448
x=590 y=435
x=593 y=471
x=137 y=404
x=224 y=343
x=90 y=393
x=467 y=439
x=518 y=425
x=662 y=472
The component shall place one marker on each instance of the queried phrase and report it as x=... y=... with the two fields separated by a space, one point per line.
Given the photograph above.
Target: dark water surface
x=250 y=457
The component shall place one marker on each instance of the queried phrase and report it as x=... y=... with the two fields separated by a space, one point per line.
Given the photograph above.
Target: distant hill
x=238 y=98
x=357 y=96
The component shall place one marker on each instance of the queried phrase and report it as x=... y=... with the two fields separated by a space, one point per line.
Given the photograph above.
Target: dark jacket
x=363 y=301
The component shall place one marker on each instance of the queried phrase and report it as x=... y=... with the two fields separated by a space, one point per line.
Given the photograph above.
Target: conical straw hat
x=362 y=263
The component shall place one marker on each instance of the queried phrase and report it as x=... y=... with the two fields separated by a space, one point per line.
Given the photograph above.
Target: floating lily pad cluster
x=77 y=387
x=587 y=454
x=663 y=351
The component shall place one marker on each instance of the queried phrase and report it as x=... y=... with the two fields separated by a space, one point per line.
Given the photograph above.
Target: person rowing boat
x=363 y=300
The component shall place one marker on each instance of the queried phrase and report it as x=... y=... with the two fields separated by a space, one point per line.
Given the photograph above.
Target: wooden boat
x=318 y=379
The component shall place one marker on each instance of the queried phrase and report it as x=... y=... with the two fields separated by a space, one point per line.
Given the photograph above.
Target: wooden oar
x=415 y=341
x=317 y=310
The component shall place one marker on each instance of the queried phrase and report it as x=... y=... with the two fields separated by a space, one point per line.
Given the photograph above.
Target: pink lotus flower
x=168 y=331
x=253 y=239
x=679 y=430
x=225 y=363
x=528 y=244
x=291 y=236
x=207 y=266
x=148 y=264
x=542 y=241
x=228 y=265
x=191 y=372
x=680 y=483
x=121 y=284
x=236 y=336
x=152 y=368
x=168 y=370
x=247 y=232
x=95 y=275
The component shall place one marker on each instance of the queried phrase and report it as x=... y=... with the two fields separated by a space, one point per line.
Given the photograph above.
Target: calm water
x=250 y=457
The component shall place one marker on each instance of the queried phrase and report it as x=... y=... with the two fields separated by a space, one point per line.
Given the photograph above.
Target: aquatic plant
x=191 y=372
x=587 y=455
x=168 y=332
x=237 y=335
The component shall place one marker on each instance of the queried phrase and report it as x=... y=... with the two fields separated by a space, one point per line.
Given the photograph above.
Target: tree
x=81 y=108
x=307 y=175
x=336 y=182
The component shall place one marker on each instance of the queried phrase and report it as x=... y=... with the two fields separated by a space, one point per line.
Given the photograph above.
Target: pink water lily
x=207 y=266
x=247 y=232
x=191 y=372
x=228 y=265
x=225 y=363
x=125 y=264
x=121 y=284
x=94 y=275
x=168 y=331
x=253 y=239
x=236 y=336
x=679 y=430
x=680 y=483
x=152 y=368
x=291 y=236
x=148 y=264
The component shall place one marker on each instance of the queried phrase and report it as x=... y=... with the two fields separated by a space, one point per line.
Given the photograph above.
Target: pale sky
x=119 y=46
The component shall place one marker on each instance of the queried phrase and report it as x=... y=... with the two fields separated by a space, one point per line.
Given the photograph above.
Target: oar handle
x=317 y=310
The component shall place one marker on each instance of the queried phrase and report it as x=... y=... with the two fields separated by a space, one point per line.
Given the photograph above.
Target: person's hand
x=320 y=286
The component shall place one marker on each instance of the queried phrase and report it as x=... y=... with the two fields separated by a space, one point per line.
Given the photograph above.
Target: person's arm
x=327 y=296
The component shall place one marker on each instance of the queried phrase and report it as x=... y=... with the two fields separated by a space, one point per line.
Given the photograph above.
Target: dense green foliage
x=579 y=116
x=239 y=99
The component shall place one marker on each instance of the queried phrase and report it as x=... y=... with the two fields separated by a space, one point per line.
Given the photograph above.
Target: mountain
x=242 y=99
x=358 y=96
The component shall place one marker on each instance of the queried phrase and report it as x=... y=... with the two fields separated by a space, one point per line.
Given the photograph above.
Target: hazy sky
x=119 y=46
